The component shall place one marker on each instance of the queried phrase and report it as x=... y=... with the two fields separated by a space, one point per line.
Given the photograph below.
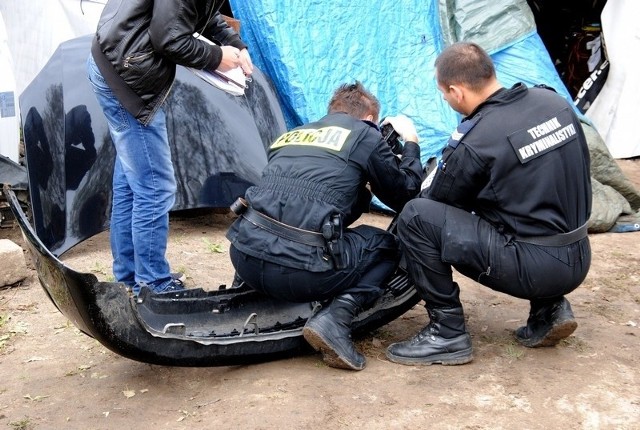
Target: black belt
x=283 y=230
x=562 y=239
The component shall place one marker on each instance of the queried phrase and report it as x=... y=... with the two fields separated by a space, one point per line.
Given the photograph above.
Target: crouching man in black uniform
x=292 y=241
x=507 y=207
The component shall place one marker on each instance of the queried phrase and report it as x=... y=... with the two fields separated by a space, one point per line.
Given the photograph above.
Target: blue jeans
x=144 y=190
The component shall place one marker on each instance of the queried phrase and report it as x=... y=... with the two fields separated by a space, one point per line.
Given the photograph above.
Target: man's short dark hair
x=355 y=100
x=464 y=63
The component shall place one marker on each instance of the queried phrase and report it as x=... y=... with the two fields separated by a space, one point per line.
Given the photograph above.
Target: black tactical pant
x=435 y=237
x=373 y=256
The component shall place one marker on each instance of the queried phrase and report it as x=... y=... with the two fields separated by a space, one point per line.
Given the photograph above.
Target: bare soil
x=54 y=377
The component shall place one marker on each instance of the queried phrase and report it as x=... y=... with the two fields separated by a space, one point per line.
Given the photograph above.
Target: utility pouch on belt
x=330 y=239
x=332 y=233
x=239 y=206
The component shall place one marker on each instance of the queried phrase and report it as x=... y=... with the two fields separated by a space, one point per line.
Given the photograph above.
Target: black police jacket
x=318 y=170
x=519 y=161
x=139 y=42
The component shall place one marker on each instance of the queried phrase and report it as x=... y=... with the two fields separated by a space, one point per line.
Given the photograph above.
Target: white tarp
x=9 y=112
x=35 y=28
x=614 y=111
x=30 y=32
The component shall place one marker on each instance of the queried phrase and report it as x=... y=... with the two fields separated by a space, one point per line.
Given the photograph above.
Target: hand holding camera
x=404 y=126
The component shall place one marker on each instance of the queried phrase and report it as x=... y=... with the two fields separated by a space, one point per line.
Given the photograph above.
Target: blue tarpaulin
x=310 y=48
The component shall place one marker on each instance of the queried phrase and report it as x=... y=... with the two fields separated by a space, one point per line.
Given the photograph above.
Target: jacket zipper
x=128 y=59
x=488 y=272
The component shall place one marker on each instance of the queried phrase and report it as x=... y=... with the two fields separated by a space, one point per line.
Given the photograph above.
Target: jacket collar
x=502 y=96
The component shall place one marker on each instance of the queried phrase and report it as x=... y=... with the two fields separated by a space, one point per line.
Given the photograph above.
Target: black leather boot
x=549 y=322
x=444 y=341
x=329 y=331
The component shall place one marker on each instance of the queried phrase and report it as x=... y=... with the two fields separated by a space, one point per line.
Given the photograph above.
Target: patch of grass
x=513 y=351
x=383 y=334
x=183 y=270
x=23 y=424
x=320 y=363
x=577 y=343
x=3 y=340
x=4 y=319
x=4 y=337
x=99 y=267
x=213 y=248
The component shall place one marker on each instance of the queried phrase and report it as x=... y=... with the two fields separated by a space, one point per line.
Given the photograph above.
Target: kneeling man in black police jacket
x=292 y=240
x=507 y=207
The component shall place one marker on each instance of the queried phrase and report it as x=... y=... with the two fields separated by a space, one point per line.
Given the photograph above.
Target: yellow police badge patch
x=332 y=138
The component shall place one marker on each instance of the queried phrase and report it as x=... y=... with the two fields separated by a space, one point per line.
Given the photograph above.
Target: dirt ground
x=54 y=377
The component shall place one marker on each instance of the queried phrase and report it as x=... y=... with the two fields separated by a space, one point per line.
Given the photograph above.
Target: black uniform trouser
x=434 y=237
x=373 y=256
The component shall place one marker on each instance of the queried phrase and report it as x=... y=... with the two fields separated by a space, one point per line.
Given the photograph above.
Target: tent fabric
x=36 y=27
x=506 y=30
x=31 y=33
x=528 y=61
x=308 y=49
x=614 y=110
x=616 y=201
x=477 y=21
x=9 y=109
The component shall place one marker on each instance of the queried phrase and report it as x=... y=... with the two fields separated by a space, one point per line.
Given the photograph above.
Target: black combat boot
x=329 y=331
x=549 y=322
x=444 y=340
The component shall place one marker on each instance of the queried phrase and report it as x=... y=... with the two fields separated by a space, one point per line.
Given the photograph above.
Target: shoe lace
x=429 y=331
x=175 y=285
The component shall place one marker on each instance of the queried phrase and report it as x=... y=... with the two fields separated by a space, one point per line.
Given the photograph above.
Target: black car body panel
x=194 y=327
x=217 y=144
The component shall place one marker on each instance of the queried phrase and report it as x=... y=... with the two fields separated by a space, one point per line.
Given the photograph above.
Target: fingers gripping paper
x=233 y=81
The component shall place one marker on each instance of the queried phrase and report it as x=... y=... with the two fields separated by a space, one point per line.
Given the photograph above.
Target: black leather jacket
x=139 y=42
x=318 y=170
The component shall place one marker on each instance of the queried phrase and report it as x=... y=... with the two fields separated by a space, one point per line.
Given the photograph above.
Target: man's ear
x=457 y=92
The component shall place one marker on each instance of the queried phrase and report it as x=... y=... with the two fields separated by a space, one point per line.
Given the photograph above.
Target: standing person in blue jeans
x=132 y=66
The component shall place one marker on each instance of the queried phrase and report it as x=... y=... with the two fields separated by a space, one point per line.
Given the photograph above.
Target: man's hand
x=245 y=62
x=230 y=58
x=404 y=126
x=233 y=57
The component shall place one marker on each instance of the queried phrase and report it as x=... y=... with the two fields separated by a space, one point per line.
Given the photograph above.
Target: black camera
x=392 y=137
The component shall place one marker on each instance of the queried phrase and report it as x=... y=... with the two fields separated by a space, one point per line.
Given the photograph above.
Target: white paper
x=233 y=81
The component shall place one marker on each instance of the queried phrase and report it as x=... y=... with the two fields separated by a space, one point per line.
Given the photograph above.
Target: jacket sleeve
x=219 y=31
x=395 y=180
x=171 y=34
